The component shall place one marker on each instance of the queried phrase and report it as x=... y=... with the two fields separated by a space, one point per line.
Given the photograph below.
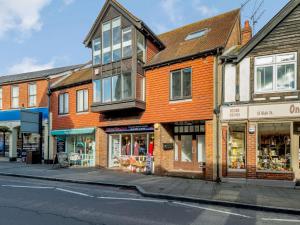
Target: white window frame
x=65 y=105
x=84 y=95
x=274 y=64
x=32 y=94
x=126 y=43
x=15 y=97
x=1 y=98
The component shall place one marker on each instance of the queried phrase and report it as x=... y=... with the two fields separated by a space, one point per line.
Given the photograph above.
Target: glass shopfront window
x=274 y=147
x=236 y=147
x=81 y=150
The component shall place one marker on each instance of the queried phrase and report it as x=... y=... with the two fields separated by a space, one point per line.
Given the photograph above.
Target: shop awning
x=72 y=131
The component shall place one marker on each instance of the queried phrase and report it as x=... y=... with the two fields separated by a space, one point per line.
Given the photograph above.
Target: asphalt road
x=35 y=202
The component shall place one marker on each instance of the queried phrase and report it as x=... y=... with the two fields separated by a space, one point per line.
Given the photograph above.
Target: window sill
x=82 y=113
x=275 y=92
x=63 y=115
x=180 y=101
x=274 y=171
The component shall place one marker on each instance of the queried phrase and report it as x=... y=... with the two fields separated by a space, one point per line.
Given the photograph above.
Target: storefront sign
x=260 y=111
x=168 y=146
x=234 y=113
x=149 y=164
x=129 y=129
x=60 y=144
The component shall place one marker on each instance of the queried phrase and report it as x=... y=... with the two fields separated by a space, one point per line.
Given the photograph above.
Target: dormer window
x=96 y=51
x=197 y=34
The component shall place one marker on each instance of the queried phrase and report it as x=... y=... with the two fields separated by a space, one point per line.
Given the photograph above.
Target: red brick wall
x=41 y=100
x=209 y=149
x=73 y=119
x=151 y=50
x=224 y=151
x=158 y=106
x=251 y=153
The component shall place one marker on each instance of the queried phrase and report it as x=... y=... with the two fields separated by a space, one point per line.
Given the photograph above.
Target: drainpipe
x=49 y=110
x=217 y=113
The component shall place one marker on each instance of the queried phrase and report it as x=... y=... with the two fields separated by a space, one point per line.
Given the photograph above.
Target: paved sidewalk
x=232 y=194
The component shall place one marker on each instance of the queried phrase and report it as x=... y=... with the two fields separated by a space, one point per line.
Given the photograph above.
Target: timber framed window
x=63 y=104
x=181 y=84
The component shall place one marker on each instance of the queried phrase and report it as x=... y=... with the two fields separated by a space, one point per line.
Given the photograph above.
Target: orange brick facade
x=41 y=98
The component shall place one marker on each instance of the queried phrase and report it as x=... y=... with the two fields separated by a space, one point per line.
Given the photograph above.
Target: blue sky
x=40 y=34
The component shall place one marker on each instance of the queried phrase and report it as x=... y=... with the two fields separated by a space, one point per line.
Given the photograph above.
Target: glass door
x=115 y=150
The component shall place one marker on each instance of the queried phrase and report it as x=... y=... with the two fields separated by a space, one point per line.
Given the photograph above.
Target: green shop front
x=79 y=144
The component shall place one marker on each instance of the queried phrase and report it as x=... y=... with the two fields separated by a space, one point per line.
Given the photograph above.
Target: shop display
x=274 y=147
x=236 y=153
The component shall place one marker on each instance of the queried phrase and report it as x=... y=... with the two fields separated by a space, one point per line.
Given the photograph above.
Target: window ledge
x=180 y=101
x=82 y=113
x=63 y=115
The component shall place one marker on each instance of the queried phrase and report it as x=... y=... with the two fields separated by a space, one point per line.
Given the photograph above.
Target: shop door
x=186 y=153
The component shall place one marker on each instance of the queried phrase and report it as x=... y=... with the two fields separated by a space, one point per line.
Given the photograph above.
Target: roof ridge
x=203 y=20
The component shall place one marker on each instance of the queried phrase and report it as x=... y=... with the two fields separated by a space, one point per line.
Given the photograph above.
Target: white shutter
x=229 y=83
x=245 y=80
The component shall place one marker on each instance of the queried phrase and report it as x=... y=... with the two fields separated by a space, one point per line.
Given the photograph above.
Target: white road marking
x=213 y=210
x=133 y=199
x=281 y=220
x=74 y=192
x=22 y=186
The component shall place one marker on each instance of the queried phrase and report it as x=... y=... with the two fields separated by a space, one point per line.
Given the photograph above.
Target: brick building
x=29 y=92
x=152 y=97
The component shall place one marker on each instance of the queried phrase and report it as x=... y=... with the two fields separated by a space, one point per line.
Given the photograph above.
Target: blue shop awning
x=72 y=131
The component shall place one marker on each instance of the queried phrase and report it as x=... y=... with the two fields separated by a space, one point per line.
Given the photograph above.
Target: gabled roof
x=177 y=47
x=36 y=74
x=280 y=16
x=136 y=21
x=80 y=77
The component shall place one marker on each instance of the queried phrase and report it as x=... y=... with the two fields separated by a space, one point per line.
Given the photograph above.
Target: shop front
x=79 y=144
x=261 y=141
x=131 y=148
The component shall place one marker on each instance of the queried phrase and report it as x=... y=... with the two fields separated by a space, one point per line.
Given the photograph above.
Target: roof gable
x=267 y=29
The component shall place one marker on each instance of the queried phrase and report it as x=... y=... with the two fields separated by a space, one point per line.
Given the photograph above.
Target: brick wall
x=251 y=152
x=224 y=151
x=41 y=98
x=159 y=109
x=151 y=50
x=73 y=119
x=209 y=148
x=101 y=148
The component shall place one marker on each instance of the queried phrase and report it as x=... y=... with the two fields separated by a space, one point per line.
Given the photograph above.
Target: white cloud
x=28 y=64
x=21 y=16
x=68 y=2
x=205 y=10
x=173 y=10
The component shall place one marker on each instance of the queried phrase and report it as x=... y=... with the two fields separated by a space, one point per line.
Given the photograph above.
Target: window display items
x=236 y=148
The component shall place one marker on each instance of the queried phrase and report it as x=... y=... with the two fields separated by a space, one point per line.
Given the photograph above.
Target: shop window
x=15 y=97
x=96 y=51
x=1 y=100
x=126 y=144
x=201 y=148
x=63 y=104
x=186 y=148
x=127 y=42
x=141 y=47
x=276 y=73
x=176 y=150
x=140 y=144
x=236 y=147
x=32 y=95
x=274 y=147
x=181 y=84
x=82 y=101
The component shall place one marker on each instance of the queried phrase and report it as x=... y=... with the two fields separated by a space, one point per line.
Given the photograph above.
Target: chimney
x=246 y=33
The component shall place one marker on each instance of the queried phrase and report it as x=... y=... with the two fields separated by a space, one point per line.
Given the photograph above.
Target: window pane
x=79 y=101
x=186 y=148
x=116 y=39
x=264 y=60
x=236 y=148
x=66 y=103
x=126 y=144
x=186 y=79
x=116 y=88
x=61 y=104
x=106 y=39
x=127 y=85
x=106 y=57
x=141 y=49
x=127 y=42
x=286 y=77
x=86 y=100
x=106 y=95
x=117 y=54
x=32 y=100
x=176 y=149
x=201 y=148
x=264 y=79
x=285 y=58
x=176 y=85
x=139 y=144
x=15 y=92
x=97 y=90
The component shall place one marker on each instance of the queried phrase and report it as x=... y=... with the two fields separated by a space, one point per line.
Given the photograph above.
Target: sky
x=43 y=34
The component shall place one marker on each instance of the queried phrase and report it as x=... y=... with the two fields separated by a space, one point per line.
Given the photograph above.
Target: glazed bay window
x=141 y=47
x=32 y=95
x=127 y=42
x=113 y=89
x=82 y=97
x=181 y=83
x=274 y=147
x=276 y=73
x=106 y=43
x=96 y=51
x=63 y=104
x=116 y=39
x=15 y=97
x=1 y=98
